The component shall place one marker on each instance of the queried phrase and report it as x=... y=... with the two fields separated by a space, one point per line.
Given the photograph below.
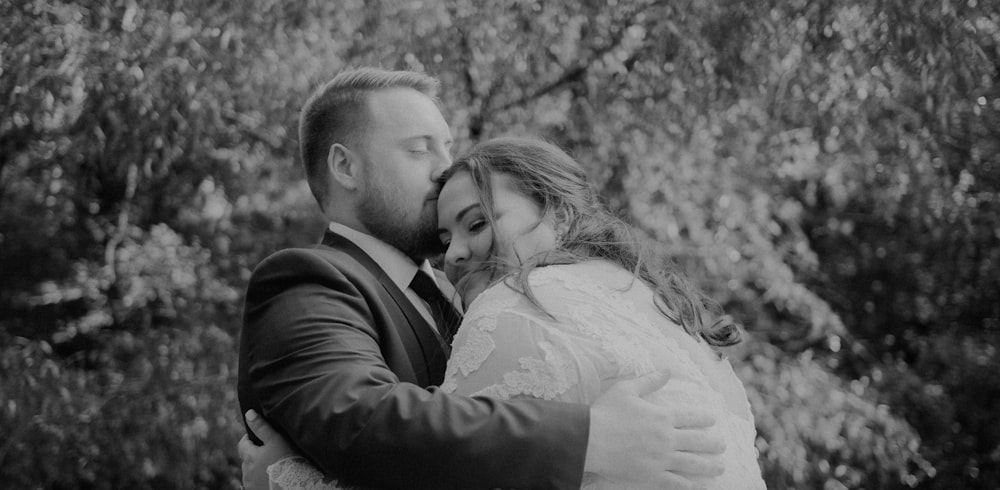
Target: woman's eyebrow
x=465 y=210
x=460 y=215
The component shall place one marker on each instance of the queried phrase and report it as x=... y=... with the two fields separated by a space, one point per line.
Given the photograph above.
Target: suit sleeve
x=312 y=365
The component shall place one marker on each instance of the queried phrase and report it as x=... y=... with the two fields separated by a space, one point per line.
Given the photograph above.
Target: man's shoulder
x=311 y=260
x=310 y=252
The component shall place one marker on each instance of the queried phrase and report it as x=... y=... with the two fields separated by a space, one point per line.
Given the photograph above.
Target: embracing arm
x=312 y=365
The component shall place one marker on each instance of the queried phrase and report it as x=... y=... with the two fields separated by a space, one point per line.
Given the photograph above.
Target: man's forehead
x=400 y=100
x=409 y=111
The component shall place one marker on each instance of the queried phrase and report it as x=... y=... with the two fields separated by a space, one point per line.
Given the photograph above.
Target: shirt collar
x=400 y=268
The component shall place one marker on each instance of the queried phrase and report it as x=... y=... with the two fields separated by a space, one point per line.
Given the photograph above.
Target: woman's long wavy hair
x=555 y=181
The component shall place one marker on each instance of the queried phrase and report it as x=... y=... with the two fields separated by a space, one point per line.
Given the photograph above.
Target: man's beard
x=386 y=221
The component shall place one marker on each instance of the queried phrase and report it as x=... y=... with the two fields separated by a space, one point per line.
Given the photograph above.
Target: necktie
x=444 y=313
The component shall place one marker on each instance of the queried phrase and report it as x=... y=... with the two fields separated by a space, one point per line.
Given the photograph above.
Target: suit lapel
x=420 y=339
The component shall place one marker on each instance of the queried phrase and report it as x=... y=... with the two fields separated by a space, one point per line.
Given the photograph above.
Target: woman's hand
x=256 y=458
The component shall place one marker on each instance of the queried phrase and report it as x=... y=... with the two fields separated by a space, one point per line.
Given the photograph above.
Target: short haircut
x=337 y=112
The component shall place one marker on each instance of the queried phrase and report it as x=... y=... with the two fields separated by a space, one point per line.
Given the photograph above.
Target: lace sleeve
x=508 y=348
x=296 y=473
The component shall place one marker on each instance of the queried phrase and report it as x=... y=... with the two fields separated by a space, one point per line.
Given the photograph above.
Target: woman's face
x=520 y=229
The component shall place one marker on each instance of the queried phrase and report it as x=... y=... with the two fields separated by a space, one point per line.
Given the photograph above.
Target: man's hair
x=337 y=112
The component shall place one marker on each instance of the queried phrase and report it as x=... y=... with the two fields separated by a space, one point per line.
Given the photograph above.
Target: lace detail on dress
x=545 y=378
x=474 y=336
x=600 y=318
x=296 y=473
x=614 y=307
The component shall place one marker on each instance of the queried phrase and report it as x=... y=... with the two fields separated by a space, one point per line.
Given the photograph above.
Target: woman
x=562 y=301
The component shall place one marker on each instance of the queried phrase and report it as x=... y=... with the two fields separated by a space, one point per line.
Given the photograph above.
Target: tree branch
x=575 y=73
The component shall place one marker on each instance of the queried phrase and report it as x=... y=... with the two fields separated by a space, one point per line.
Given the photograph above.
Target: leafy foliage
x=820 y=432
x=828 y=171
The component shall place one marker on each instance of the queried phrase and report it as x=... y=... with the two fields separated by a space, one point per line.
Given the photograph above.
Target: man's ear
x=344 y=166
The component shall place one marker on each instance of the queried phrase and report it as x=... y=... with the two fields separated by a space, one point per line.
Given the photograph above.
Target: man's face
x=406 y=147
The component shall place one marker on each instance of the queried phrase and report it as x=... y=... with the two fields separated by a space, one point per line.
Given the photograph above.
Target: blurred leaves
x=827 y=171
x=817 y=431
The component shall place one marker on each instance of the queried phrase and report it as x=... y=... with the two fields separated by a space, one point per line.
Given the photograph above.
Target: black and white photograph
x=519 y=244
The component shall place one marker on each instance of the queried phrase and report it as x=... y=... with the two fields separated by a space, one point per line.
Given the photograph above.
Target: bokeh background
x=827 y=170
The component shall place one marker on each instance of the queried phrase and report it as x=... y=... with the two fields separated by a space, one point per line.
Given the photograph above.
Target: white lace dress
x=599 y=326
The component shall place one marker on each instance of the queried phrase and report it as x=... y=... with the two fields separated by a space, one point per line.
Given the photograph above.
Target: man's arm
x=314 y=368
x=689 y=457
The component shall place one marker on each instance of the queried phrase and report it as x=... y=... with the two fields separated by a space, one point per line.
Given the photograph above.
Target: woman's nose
x=455 y=259
x=456 y=254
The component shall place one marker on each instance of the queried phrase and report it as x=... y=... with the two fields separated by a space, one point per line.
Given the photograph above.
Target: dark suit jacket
x=337 y=358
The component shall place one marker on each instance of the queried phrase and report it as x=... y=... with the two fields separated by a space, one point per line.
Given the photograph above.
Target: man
x=340 y=352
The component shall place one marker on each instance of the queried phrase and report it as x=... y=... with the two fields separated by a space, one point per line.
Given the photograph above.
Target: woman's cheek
x=540 y=239
x=481 y=246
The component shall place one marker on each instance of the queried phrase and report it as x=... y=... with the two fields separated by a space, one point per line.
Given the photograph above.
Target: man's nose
x=442 y=164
